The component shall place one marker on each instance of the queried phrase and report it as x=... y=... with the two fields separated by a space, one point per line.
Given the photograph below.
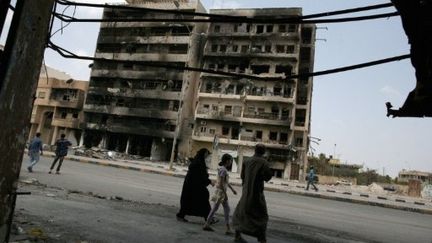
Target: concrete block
x=419 y=203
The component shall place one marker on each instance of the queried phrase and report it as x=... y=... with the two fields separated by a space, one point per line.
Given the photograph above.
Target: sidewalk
x=278 y=185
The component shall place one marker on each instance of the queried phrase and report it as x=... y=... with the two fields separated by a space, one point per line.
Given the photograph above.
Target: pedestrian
x=311 y=179
x=194 y=200
x=34 y=151
x=220 y=196
x=62 y=146
x=250 y=216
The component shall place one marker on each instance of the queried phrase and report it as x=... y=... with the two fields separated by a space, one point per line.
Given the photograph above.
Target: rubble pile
x=375 y=188
x=99 y=153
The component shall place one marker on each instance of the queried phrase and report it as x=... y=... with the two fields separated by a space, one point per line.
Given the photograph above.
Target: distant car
x=343 y=182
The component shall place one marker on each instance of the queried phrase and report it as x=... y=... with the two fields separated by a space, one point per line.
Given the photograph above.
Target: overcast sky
x=348 y=109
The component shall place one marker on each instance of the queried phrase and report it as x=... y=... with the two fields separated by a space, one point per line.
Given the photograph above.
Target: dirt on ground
x=53 y=214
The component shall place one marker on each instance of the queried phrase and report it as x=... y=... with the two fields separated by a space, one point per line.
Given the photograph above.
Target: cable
x=68 y=22
x=228 y=20
x=68 y=54
x=141 y=9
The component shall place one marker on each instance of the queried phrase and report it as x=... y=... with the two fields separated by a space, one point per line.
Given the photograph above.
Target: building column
x=240 y=159
x=287 y=171
x=127 y=145
x=103 y=142
x=54 y=137
x=81 y=142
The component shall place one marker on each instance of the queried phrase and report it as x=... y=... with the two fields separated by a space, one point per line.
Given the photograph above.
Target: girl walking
x=220 y=196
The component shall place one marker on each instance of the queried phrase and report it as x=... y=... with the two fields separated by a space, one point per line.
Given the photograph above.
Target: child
x=220 y=196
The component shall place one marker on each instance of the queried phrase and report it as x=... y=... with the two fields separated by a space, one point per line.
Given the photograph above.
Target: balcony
x=135 y=74
x=126 y=111
x=267 y=118
x=263 y=96
x=219 y=96
x=69 y=123
x=206 y=137
x=76 y=104
x=217 y=115
x=144 y=40
x=134 y=93
x=155 y=57
x=293 y=57
x=249 y=35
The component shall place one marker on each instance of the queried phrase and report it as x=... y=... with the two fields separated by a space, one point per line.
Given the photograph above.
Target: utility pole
x=19 y=74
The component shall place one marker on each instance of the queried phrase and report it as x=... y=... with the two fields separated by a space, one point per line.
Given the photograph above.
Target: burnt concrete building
x=58 y=107
x=233 y=114
x=136 y=108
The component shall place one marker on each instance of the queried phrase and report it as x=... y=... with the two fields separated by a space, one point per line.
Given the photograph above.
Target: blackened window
x=225 y=130
x=222 y=48
x=273 y=136
x=260 y=29
x=282 y=28
x=269 y=28
x=214 y=48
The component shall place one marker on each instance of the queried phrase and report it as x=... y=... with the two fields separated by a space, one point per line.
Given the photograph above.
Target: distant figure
x=250 y=216
x=62 y=146
x=311 y=178
x=194 y=198
x=220 y=196
x=34 y=151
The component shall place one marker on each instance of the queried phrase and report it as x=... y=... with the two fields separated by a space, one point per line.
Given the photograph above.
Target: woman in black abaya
x=194 y=199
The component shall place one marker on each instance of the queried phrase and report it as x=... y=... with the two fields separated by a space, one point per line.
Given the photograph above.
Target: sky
x=348 y=108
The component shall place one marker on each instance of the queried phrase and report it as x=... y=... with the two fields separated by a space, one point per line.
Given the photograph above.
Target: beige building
x=136 y=108
x=58 y=106
x=406 y=175
x=233 y=114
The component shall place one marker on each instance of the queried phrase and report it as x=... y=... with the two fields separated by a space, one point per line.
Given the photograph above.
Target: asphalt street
x=363 y=222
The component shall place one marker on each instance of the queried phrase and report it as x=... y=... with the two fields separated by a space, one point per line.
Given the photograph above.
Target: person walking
x=250 y=216
x=311 y=179
x=62 y=146
x=34 y=151
x=194 y=200
x=220 y=195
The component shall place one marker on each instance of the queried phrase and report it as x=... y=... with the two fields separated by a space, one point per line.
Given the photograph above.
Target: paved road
x=360 y=221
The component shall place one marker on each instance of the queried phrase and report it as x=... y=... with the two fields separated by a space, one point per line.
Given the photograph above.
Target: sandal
x=208 y=228
x=214 y=221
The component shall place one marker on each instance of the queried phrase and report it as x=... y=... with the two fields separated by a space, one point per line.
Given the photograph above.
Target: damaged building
x=233 y=114
x=58 y=107
x=134 y=107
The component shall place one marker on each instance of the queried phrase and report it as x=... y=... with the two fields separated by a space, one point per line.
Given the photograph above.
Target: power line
x=292 y=20
x=68 y=54
x=142 y=9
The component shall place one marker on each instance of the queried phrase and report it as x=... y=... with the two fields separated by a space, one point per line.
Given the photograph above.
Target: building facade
x=233 y=114
x=406 y=175
x=136 y=108
x=57 y=107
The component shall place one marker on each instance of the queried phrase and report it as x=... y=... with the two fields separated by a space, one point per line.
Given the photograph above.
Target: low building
x=406 y=175
x=58 y=107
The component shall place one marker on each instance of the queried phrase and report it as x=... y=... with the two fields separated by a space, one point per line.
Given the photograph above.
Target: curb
x=342 y=199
